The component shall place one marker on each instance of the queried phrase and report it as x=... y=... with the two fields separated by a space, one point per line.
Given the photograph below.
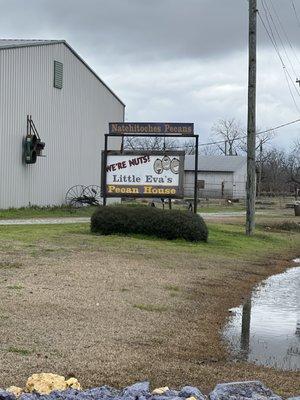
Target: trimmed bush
x=167 y=224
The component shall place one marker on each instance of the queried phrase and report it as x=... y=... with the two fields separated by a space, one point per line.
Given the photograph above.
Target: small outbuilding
x=70 y=107
x=218 y=177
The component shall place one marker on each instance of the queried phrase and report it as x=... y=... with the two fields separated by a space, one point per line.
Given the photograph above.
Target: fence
x=223 y=190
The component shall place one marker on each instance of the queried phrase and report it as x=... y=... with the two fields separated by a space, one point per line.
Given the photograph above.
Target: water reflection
x=266 y=329
x=245 y=333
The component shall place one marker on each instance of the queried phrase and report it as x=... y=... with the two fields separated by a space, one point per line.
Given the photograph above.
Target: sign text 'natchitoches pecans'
x=154 y=128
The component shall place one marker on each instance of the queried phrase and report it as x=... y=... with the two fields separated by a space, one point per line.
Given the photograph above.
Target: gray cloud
x=136 y=29
x=143 y=29
x=170 y=59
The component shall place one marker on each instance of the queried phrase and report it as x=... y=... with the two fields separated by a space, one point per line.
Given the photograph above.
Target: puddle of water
x=266 y=329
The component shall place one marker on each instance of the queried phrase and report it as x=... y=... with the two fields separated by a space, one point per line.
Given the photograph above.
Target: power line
x=290 y=90
x=274 y=43
x=270 y=31
x=285 y=33
x=286 y=71
x=269 y=15
x=279 y=126
x=275 y=128
x=295 y=12
x=273 y=40
x=287 y=74
x=257 y=133
x=271 y=35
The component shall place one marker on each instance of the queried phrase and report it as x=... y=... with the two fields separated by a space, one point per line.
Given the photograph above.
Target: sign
x=150 y=174
x=154 y=128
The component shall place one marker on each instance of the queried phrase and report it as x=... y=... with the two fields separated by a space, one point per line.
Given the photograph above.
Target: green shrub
x=168 y=224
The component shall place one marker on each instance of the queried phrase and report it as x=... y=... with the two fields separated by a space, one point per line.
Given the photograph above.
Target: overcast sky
x=175 y=60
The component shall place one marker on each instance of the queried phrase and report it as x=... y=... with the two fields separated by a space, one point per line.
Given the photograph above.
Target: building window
x=58 y=75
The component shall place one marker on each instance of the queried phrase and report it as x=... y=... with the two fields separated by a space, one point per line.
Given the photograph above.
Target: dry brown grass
x=117 y=310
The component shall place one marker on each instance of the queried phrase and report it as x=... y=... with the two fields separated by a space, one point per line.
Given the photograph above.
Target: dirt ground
x=119 y=310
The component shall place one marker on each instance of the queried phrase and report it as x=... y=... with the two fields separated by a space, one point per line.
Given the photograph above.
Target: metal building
x=71 y=108
x=218 y=177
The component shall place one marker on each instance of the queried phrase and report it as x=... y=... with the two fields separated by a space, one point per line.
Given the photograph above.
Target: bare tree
x=293 y=164
x=230 y=133
x=274 y=175
x=149 y=143
x=233 y=138
x=261 y=140
x=281 y=170
x=261 y=154
x=159 y=143
x=188 y=146
x=209 y=150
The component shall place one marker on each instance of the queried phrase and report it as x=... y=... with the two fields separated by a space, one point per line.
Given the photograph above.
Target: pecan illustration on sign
x=166 y=163
x=175 y=165
x=158 y=166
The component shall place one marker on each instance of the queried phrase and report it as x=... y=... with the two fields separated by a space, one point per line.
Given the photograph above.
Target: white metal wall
x=71 y=122
x=234 y=184
x=240 y=180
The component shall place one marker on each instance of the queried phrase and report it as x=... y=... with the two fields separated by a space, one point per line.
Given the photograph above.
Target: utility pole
x=251 y=126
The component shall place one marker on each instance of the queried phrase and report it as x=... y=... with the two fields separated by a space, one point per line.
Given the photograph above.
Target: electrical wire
x=285 y=33
x=286 y=72
x=285 y=69
x=270 y=21
x=275 y=128
x=295 y=12
x=273 y=40
x=290 y=90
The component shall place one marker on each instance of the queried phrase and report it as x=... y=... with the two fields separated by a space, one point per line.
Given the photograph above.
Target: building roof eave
x=55 y=42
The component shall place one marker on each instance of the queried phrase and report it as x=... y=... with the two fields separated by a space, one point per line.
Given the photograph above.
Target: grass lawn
x=46 y=212
x=64 y=211
x=115 y=309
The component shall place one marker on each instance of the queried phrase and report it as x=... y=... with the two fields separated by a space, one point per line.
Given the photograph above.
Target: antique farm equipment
x=80 y=195
x=33 y=146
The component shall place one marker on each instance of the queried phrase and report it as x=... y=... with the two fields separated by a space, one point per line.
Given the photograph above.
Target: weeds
x=10 y=265
x=150 y=307
x=15 y=287
x=22 y=352
x=172 y=288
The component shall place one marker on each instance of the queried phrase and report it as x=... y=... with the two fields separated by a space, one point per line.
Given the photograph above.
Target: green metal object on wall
x=33 y=146
x=30 y=149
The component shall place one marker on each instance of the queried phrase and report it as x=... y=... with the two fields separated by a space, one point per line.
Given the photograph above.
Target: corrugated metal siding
x=234 y=184
x=240 y=180
x=215 y=163
x=71 y=121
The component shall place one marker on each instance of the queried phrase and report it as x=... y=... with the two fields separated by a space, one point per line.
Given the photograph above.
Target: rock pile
x=55 y=387
x=41 y=384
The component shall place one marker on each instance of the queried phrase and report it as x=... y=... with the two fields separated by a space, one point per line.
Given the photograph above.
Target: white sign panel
x=135 y=175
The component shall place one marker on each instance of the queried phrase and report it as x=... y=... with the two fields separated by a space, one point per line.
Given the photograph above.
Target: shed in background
x=218 y=177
